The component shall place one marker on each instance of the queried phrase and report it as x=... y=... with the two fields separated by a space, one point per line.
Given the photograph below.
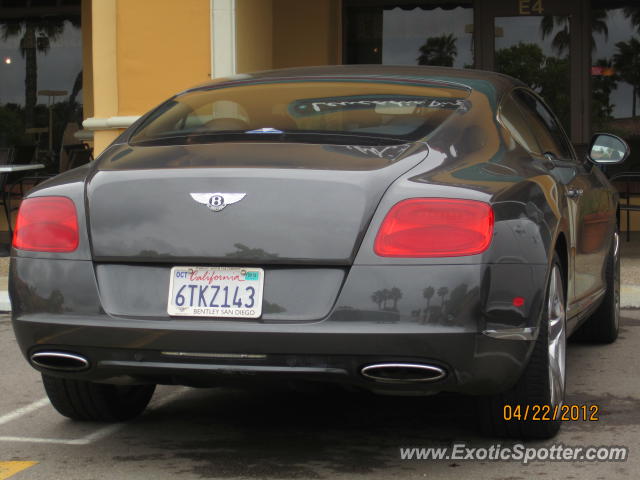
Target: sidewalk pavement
x=629 y=278
x=5 y=304
x=630 y=273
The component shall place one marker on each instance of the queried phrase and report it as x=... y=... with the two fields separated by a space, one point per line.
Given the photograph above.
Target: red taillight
x=435 y=227
x=46 y=224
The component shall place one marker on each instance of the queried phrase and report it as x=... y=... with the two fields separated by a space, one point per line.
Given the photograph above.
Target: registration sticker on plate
x=228 y=292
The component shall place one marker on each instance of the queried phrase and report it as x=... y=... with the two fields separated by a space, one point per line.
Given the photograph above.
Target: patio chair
x=22 y=155
x=33 y=179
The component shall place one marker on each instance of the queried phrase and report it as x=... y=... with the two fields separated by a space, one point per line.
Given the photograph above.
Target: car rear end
x=284 y=238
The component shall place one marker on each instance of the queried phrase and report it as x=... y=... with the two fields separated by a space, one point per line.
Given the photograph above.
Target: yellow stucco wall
x=286 y=33
x=163 y=47
x=143 y=51
x=254 y=35
x=104 y=61
x=306 y=33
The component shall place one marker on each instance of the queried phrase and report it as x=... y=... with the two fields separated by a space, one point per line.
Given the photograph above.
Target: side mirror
x=607 y=149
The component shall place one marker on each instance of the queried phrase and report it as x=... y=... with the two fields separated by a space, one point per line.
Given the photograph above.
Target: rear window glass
x=307 y=111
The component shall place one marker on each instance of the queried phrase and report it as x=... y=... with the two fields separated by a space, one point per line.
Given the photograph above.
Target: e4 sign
x=530 y=7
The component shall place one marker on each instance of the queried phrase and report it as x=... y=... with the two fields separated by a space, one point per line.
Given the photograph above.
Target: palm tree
x=427 y=294
x=378 y=297
x=627 y=64
x=562 y=39
x=386 y=295
x=633 y=14
x=440 y=51
x=395 y=294
x=442 y=292
x=36 y=35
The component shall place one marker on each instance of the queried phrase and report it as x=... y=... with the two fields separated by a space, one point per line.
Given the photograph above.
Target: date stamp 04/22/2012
x=565 y=412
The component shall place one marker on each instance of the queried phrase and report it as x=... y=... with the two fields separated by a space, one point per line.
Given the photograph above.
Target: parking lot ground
x=280 y=433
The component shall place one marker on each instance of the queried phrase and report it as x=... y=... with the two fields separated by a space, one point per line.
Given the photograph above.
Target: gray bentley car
x=401 y=230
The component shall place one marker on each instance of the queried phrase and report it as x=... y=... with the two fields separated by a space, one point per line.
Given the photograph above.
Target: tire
x=96 y=402
x=603 y=324
x=543 y=381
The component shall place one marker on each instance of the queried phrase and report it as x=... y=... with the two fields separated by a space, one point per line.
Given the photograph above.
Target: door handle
x=574 y=192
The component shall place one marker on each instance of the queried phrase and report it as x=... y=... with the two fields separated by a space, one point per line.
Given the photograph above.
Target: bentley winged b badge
x=217 y=201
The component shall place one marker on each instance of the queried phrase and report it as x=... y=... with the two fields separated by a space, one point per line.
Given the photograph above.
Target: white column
x=223 y=38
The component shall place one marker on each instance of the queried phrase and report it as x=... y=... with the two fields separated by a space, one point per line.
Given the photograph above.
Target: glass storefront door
x=40 y=81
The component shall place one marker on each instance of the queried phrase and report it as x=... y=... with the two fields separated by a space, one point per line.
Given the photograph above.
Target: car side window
x=546 y=129
x=513 y=120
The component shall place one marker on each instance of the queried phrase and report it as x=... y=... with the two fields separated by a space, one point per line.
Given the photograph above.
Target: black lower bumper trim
x=216 y=368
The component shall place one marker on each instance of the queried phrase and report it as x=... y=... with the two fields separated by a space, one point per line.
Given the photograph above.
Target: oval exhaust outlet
x=403 y=372
x=60 y=361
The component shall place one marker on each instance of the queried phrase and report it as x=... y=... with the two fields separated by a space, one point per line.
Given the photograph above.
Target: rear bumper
x=474 y=363
x=58 y=307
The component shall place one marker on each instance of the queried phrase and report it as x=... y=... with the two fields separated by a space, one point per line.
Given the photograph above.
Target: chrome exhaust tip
x=62 y=361
x=403 y=372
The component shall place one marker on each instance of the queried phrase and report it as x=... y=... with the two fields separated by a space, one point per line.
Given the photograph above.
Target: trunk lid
x=302 y=204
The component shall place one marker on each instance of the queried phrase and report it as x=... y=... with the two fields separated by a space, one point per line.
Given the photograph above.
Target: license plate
x=226 y=292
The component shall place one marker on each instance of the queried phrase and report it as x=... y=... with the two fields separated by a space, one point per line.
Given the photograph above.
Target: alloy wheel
x=557 y=341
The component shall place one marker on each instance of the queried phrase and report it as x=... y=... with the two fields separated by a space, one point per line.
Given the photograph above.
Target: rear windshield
x=322 y=111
